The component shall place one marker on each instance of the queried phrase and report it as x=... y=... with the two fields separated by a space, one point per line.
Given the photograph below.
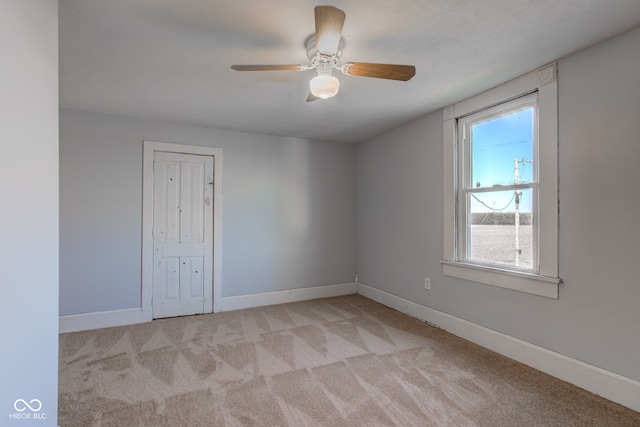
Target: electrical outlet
x=427 y=283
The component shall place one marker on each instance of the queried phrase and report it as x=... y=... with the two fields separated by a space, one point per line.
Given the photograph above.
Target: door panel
x=167 y=274
x=194 y=277
x=171 y=201
x=182 y=233
x=192 y=220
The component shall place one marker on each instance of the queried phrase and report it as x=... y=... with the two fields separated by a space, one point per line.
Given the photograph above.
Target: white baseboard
x=281 y=297
x=100 y=319
x=106 y=319
x=617 y=388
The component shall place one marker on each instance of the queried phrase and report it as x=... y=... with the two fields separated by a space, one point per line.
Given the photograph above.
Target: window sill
x=518 y=281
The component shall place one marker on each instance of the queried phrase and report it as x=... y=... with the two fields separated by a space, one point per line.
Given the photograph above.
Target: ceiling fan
x=324 y=49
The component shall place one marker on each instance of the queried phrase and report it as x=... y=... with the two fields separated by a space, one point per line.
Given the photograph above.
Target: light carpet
x=344 y=361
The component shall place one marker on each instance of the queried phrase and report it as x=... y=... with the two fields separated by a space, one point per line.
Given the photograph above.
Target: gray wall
x=288 y=215
x=400 y=219
x=29 y=211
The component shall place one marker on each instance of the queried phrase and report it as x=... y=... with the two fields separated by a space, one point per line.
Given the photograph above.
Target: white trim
x=548 y=217
x=106 y=319
x=510 y=279
x=617 y=388
x=544 y=81
x=291 y=295
x=149 y=148
x=100 y=319
x=548 y=74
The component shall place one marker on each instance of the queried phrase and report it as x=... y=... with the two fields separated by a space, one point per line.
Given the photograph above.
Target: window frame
x=543 y=279
x=465 y=172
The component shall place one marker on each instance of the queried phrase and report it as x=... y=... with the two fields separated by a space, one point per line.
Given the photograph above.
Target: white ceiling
x=170 y=59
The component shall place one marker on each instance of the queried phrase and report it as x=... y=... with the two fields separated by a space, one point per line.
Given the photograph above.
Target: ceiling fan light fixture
x=324 y=86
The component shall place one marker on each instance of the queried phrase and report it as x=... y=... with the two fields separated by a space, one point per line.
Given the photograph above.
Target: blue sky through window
x=495 y=145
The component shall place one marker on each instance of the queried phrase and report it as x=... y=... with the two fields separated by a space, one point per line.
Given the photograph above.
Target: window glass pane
x=495 y=146
x=500 y=229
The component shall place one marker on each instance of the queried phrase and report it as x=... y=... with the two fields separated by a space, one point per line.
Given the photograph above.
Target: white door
x=182 y=234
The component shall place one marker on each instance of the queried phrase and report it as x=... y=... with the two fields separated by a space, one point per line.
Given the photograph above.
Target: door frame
x=148 y=155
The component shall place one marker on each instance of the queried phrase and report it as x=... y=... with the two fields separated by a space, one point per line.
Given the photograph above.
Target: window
x=498 y=188
x=501 y=197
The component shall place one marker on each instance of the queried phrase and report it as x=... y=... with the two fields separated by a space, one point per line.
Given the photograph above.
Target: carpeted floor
x=343 y=361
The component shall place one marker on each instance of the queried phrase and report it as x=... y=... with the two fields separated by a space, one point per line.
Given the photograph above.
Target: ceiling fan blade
x=329 y=23
x=267 y=67
x=380 y=71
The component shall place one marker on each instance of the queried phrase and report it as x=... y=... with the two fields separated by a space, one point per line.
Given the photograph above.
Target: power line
x=489 y=207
